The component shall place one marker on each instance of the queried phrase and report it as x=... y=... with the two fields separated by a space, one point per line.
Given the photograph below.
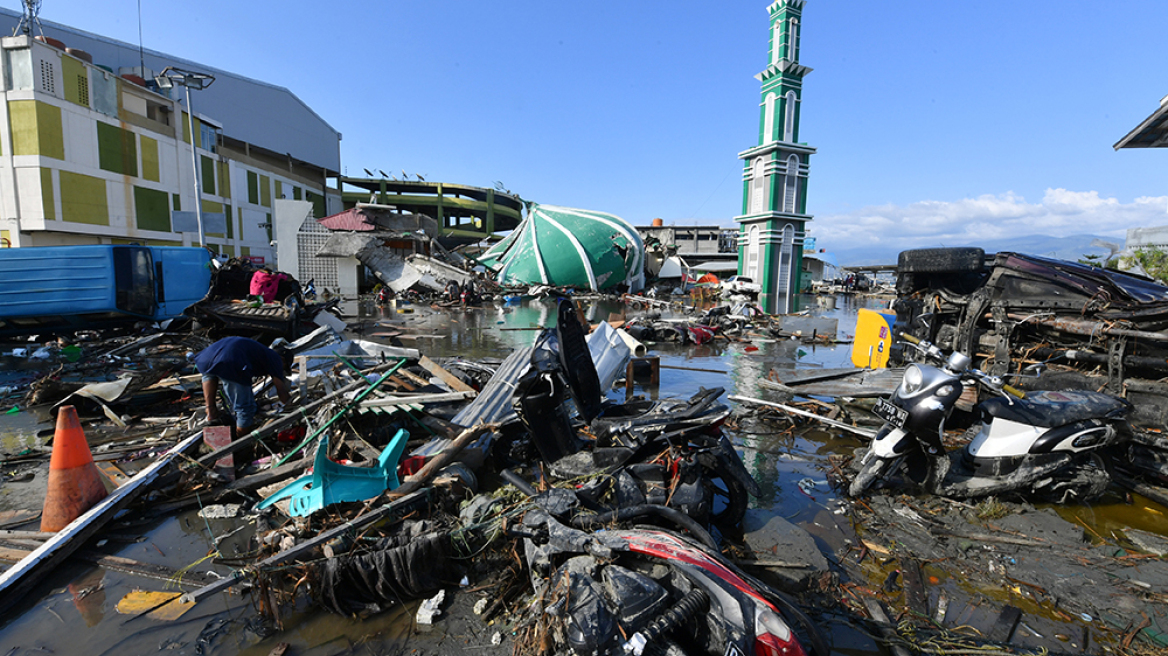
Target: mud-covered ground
x=953 y=576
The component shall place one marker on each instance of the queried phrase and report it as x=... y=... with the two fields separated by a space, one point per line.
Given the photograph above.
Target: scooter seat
x=1047 y=409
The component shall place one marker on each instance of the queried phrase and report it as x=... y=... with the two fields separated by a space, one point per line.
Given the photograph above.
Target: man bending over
x=230 y=364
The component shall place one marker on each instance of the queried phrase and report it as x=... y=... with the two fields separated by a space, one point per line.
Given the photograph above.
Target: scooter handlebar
x=915 y=341
x=1010 y=389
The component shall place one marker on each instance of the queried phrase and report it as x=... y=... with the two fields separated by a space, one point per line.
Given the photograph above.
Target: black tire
x=874 y=469
x=1086 y=482
x=941 y=260
x=728 y=506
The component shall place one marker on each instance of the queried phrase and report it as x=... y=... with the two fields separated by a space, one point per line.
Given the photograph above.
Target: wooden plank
x=914 y=589
x=863 y=432
x=414 y=402
x=1003 y=630
x=21 y=577
x=111 y=473
x=414 y=378
x=445 y=376
x=878 y=616
x=39 y=536
x=274 y=475
x=17 y=517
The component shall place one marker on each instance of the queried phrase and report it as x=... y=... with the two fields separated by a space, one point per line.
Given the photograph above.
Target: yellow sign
x=873 y=339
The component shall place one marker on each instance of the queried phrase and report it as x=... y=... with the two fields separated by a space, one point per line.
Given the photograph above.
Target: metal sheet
x=493 y=404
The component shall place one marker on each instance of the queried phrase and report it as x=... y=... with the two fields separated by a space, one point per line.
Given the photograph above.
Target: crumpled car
x=1092 y=328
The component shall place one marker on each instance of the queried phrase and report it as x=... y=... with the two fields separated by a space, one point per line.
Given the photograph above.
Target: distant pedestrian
x=230 y=364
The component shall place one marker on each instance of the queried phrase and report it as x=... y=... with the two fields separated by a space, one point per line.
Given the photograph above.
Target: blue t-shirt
x=239 y=359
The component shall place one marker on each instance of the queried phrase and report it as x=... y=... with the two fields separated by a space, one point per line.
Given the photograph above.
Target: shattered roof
x=371 y=218
x=352 y=219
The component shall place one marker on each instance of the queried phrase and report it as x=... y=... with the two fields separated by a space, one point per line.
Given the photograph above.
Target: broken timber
x=796 y=411
x=391 y=510
x=19 y=579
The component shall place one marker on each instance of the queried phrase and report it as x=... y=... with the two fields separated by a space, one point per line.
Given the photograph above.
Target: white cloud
x=931 y=223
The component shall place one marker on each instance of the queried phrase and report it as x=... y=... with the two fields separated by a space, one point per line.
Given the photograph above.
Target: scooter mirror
x=1035 y=370
x=924 y=321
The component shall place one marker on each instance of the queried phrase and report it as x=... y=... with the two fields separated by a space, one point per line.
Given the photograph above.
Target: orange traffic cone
x=74 y=483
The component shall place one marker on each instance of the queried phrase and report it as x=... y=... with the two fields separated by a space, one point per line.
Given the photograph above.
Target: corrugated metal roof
x=493 y=404
x=353 y=220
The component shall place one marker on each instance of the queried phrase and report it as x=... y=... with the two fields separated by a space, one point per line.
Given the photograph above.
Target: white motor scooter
x=1043 y=444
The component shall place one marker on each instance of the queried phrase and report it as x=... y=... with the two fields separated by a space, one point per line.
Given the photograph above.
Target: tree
x=1153 y=261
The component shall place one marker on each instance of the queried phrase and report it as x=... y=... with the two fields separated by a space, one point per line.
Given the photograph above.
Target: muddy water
x=74 y=612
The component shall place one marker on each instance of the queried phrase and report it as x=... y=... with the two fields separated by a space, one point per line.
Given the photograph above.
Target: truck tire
x=941 y=260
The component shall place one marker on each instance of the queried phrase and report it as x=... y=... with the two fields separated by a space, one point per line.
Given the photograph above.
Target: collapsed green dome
x=565 y=247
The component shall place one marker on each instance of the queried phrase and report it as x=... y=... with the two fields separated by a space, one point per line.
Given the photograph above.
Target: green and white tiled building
x=774 y=205
x=89 y=154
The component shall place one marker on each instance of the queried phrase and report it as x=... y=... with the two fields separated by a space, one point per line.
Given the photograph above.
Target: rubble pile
x=519 y=496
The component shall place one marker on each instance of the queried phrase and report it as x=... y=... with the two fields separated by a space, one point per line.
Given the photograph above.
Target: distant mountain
x=1063 y=248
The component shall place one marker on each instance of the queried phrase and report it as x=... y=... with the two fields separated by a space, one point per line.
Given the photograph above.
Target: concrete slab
x=787 y=552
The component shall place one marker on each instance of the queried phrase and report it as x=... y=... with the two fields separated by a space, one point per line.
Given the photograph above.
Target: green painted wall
x=186 y=130
x=296 y=193
x=151 y=209
x=208 y=175
x=75 y=80
x=150 y=170
x=318 y=206
x=253 y=188
x=224 y=179
x=265 y=191
x=36 y=129
x=83 y=199
x=117 y=150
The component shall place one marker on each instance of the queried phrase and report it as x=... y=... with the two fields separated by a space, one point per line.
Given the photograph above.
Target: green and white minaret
x=774 y=178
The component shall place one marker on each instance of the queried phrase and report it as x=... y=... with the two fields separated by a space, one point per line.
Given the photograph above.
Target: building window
x=207 y=137
x=768 y=129
x=790 y=185
x=786 y=252
x=753 y=251
x=789 y=117
x=776 y=43
x=793 y=39
x=19 y=68
x=757 y=186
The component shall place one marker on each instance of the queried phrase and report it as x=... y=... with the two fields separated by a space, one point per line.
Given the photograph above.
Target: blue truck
x=62 y=289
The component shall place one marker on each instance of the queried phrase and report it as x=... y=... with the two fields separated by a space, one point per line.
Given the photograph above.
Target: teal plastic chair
x=331 y=483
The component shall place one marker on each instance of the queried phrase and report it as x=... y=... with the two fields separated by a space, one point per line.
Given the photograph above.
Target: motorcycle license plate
x=890 y=413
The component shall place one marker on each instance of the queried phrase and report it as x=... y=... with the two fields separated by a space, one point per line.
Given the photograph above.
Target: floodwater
x=74 y=611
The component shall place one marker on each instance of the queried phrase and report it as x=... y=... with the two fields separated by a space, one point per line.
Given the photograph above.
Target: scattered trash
x=430 y=608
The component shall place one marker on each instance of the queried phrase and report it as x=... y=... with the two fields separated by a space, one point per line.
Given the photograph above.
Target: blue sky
x=936 y=123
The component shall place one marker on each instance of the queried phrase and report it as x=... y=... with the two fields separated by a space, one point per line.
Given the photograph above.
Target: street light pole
x=171 y=76
x=195 y=164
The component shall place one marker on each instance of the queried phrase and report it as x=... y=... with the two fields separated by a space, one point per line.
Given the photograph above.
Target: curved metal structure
x=464 y=213
x=566 y=247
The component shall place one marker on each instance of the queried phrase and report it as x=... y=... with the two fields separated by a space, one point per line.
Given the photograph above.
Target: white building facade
x=92 y=151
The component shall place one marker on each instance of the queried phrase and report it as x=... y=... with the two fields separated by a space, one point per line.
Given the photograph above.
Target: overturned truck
x=1092 y=327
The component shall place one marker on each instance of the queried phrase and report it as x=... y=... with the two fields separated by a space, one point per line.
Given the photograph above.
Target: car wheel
x=941 y=260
